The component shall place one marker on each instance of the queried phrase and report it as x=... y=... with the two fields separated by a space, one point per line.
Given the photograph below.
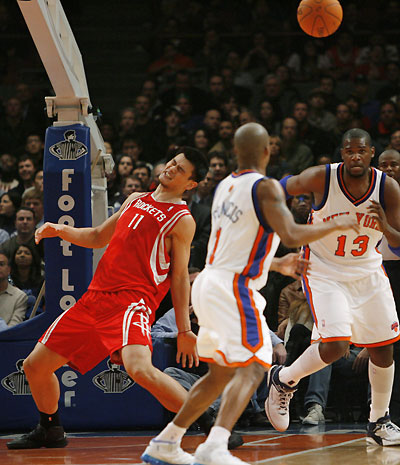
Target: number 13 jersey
x=347 y=255
x=137 y=257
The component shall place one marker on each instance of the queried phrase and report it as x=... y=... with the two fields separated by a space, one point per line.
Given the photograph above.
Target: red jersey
x=136 y=257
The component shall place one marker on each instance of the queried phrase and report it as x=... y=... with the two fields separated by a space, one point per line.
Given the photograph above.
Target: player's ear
x=191 y=185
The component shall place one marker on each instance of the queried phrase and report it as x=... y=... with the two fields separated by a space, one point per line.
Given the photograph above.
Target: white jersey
x=239 y=241
x=347 y=255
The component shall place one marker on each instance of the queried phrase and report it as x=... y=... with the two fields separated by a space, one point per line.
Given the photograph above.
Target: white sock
x=171 y=433
x=381 y=380
x=220 y=435
x=309 y=362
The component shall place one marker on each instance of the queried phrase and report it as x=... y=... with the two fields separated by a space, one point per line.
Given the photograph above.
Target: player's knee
x=142 y=374
x=252 y=374
x=332 y=351
x=31 y=367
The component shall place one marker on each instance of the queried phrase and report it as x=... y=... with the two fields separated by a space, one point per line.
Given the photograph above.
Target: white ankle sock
x=220 y=435
x=381 y=380
x=309 y=362
x=171 y=433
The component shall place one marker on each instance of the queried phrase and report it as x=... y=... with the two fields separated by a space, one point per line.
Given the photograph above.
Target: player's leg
x=381 y=374
x=166 y=446
x=39 y=368
x=138 y=364
x=235 y=398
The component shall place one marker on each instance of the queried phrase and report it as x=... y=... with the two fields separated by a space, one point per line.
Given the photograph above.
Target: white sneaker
x=383 y=432
x=315 y=415
x=277 y=403
x=213 y=453
x=166 y=453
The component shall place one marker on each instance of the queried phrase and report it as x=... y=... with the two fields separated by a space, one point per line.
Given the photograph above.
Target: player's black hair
x=356 y=133
x=196 y=158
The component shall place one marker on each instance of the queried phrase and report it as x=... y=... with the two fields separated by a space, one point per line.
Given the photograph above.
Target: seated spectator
x=246 y=116
x=277 y=167
x=9 y=204
x=395 y=140
x=33 y=198
x=205 y=189
x=202 y=216
x=158 y=168
x=297 y=155
x=8 y=172
x=342 y=55
x=225 y=141
x=25 y=226
x=127 y=123
x=34 y=147
x=170 y=61
x=38 y=180
x=129 y=185
x=26 y=173
x=189 y=121
x=13 y=301
x=388 y=123
x=327 y=86
x=169 y=134
x=266 y=117
x=318 y=116
x=218 y=166
x=143 y=172
x=308 y=63
x=124 y=167
x=26 y=274
x=211 y=122
x=132 y=147
x=201 y=141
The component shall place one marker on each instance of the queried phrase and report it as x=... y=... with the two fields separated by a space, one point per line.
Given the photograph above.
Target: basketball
x=319 y=18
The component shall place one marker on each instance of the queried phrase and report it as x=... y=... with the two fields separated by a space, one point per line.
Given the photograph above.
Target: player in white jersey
x=248 y=213
x=347 y=289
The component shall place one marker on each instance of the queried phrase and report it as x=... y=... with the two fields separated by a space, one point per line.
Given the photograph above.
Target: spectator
x=155 y=174
x=169 y=135
x=230 y=109
x=34 y=148
x=241 y=93
x=297 y=155
x=189 y=121
x=277 y=167
x=266 y=116
x=387 y=123
x=33 y=198
x=218 y=166
x=26 y=174
x=246 y=116
x=215 y=91
x=392 y=86
x=318 y=116
x=38 y=180
x=327 y=86
x=201 y=141
x=127 y=123
x=132 y=147
x=374 y=67
x=143 y=172
x=369 y=107
x=309 y=63
x=205 y=189
x=318 y=140
x=8 y=172
x=344 y=119
x=342 y=55
x=26 y=271
x=211 y=122
x=144 y=125
x=395 y=140
x=25 y=226
x=256 y=59
x=212 y=53
x=9 y=204
x=129 y=185
x=13 y=301
x=171 y=61
x=124 y=168
x=150 y=90
x=13 y=129
x=225 y=141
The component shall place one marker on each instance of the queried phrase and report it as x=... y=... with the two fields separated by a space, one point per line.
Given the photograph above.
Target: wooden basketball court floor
x=321 y=445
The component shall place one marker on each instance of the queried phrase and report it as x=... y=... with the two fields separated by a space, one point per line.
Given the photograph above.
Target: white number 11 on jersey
x=135 y=221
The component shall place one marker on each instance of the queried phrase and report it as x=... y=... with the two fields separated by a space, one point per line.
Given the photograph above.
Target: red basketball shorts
x=99 y=324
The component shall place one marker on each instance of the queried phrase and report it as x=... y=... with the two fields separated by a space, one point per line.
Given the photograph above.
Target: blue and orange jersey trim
x=257 y=207
x=236 y=174
x=343 y=188
x=382 y=190
x=252 y=337
x=326 y=188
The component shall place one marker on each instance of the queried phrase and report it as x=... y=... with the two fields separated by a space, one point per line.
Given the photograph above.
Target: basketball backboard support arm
x=62 y=60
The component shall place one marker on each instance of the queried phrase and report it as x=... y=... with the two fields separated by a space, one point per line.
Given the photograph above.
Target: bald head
x=250 y=141
x=389 y=163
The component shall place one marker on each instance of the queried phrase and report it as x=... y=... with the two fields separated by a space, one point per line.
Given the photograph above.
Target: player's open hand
x=293 y=264
x=187 y=350
x=344 y=222
x=376 y=211
x=47 y=230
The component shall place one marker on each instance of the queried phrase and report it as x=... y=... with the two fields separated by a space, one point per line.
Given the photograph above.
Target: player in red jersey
x=149 y=246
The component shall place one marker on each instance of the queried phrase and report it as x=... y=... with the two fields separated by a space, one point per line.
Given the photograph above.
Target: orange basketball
x=319 y=18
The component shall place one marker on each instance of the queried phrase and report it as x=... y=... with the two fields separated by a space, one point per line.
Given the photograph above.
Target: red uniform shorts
x=99 y=324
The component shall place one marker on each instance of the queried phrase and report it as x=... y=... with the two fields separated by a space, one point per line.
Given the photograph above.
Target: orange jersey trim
x=248 y=362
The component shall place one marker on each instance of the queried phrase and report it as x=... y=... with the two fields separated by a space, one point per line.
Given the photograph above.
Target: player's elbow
x=289 y=239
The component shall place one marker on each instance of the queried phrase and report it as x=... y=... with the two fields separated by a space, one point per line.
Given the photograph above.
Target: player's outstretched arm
x=277 y=215
x=389 y=219
x=182 y=236
x=92 y=238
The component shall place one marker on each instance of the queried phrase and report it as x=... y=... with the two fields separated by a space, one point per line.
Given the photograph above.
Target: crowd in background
x=245 y=62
